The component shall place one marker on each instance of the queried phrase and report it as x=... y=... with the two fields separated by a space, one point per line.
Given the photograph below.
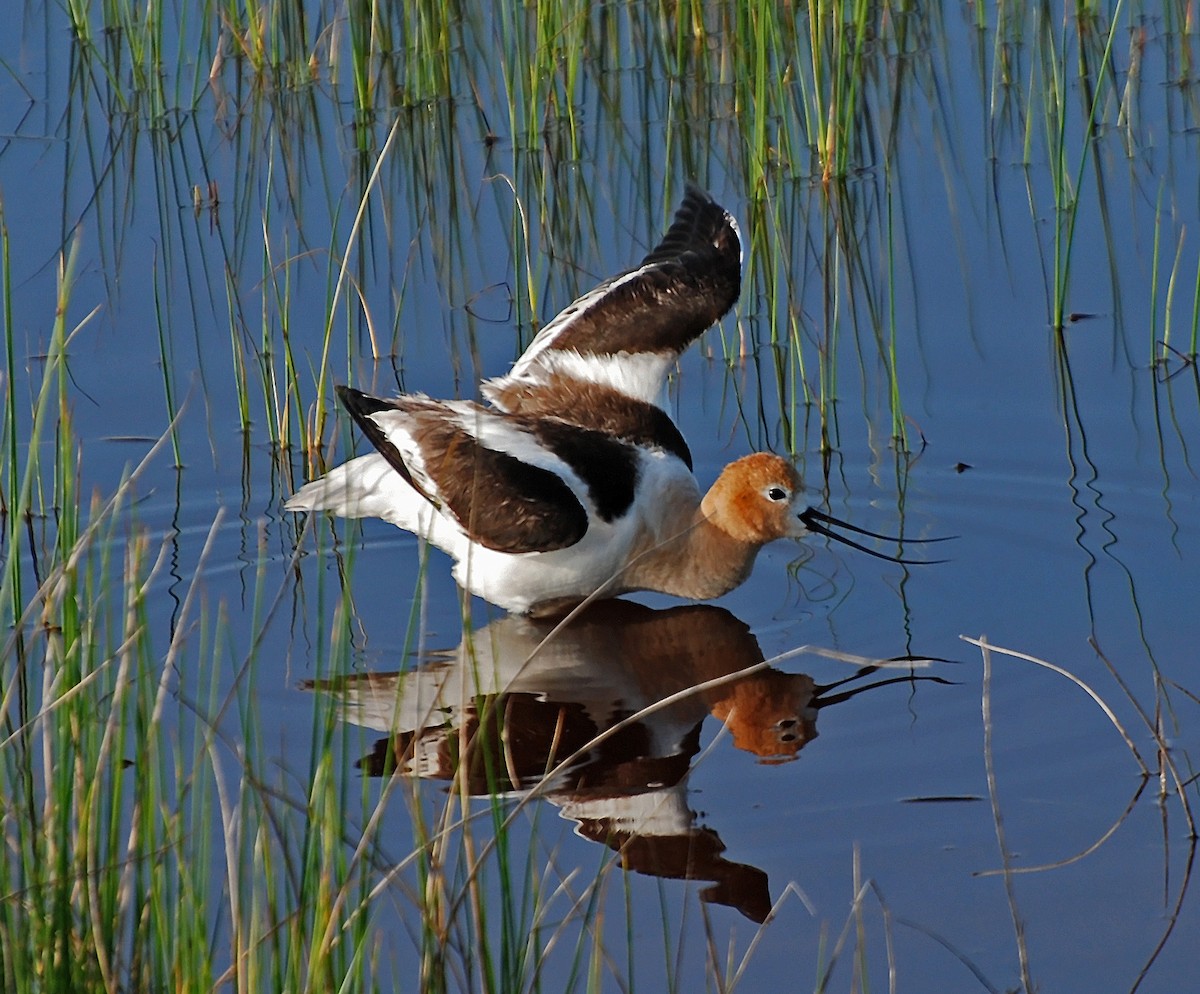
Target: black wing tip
x=700 y=223
x=695 y=197
x=360 y=405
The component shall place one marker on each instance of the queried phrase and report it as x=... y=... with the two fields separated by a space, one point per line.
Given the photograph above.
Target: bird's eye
x=777 y=493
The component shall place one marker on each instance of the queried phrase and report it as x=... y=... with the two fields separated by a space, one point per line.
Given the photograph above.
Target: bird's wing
x=513 y=484
x=653 y=312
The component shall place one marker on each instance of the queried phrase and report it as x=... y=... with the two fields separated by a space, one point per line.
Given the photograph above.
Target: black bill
x=819 y=523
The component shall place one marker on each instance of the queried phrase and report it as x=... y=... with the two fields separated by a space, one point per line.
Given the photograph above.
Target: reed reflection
x=603 y=718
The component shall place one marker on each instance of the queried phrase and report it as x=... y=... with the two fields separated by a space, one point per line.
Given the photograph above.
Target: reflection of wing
x=676 y=848
x=514 y=484
x=626 y=332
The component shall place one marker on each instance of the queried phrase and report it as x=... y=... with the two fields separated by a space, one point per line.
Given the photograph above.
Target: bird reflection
x=516 y=706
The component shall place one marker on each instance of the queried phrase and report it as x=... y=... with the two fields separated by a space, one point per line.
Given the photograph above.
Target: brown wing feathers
x=501 y=502
x=686 y=284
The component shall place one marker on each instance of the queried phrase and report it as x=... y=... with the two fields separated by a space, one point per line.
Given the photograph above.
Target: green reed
x=166 y=359
x=832 y=81
x=1195 y=337
x=1162 y=349
x=1094 y=64
x=803 y=93
x=12 y=437
x=113 y=880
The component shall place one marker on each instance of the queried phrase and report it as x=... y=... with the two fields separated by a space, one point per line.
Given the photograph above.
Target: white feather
x=565 y=318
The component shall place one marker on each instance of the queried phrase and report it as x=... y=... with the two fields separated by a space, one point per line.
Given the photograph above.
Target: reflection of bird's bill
x=820 y=523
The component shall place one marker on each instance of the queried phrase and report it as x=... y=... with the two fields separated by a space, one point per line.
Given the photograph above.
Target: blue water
x=1076 y=519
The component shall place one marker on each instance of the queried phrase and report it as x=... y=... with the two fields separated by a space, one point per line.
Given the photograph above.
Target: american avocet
x=575 y=482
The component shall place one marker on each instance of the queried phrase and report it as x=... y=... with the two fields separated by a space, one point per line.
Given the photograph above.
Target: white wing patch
x=544 y=339
x=490 y=429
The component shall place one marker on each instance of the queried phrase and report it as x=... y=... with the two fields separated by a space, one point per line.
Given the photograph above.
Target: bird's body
x=539 y=513
x=572 y=480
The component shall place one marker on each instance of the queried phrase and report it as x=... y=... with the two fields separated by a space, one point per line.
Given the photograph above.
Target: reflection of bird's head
x=770 y=714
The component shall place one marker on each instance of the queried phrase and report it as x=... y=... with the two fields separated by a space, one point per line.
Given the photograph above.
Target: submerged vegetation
x=261 y=200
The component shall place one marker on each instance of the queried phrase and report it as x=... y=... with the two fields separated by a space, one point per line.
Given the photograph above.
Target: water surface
x=914 y=294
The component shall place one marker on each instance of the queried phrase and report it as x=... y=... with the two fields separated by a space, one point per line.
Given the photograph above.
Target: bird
x=570 y=482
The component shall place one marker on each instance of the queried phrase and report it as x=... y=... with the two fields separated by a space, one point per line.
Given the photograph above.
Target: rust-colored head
x=757 y=499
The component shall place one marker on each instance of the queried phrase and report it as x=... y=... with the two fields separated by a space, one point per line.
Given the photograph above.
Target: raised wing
x=625 y=333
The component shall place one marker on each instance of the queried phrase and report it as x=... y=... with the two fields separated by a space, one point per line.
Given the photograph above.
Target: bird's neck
x=699 y=560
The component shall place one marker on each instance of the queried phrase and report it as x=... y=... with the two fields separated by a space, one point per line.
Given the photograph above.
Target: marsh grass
x=795 y=100
x=805 y=92
x=116 y=798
